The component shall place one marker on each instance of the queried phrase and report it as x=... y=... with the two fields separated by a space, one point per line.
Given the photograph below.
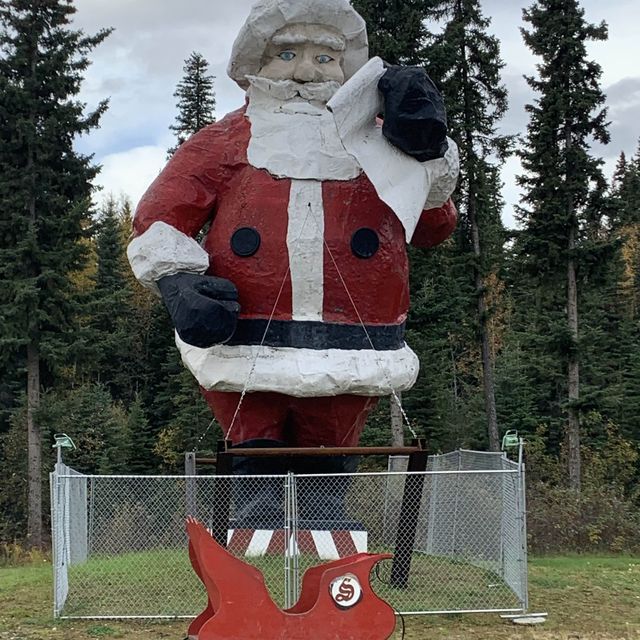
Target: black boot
x=321 y=500
x=258 y=503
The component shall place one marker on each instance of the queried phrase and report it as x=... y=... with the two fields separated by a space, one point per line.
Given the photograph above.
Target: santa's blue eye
x=323 y=59
x=287 y=56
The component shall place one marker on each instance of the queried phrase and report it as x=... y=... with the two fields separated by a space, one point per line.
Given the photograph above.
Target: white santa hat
x=269 y=16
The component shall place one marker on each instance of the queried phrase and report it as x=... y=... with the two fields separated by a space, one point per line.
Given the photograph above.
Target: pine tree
x=196 y=100
x=560 y=175
x=465 y=61
x=142 y=459
x=625 y=225
x=112 y=327
x=438 y=328
x=45 y=188
x=396 y=29
x=98 y=425
x=186 y=416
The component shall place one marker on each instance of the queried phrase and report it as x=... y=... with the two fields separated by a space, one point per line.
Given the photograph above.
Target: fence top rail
x=500 y=454
x=269 y=452
x=451 y=472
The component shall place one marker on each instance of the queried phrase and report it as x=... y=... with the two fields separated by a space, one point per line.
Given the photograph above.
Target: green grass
x=587 y=597
x=163 y=583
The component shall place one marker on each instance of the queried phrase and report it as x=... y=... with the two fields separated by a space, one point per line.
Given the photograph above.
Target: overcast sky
x=139 y=65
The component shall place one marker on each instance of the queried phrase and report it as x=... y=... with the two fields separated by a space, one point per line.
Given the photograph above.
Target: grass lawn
x=162 y=582
x=587 y=598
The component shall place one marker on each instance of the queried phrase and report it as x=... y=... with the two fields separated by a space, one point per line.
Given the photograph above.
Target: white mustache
x=290 y=89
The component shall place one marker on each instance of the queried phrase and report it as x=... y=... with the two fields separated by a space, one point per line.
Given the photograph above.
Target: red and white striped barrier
x=326 y=545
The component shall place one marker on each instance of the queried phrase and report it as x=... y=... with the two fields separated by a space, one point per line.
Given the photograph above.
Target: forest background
x=533 y=329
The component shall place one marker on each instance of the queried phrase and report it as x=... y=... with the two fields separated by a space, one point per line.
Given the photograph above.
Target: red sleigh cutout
x=241 y=608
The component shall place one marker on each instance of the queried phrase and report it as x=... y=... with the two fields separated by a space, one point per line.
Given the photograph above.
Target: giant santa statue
x=291 y=311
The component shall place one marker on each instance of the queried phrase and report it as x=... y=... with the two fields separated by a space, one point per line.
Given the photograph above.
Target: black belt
x=318 y=335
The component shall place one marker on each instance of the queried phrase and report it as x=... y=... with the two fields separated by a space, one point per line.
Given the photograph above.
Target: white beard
x=293 y=135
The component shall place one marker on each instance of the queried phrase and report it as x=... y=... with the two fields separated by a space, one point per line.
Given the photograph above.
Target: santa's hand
x=415 y=119
x=204 y=309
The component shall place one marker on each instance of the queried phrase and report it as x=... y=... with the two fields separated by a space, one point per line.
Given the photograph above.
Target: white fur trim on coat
x=161 y=251
x=304 y=373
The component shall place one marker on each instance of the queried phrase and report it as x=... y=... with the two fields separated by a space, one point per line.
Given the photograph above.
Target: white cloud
x=130 y=172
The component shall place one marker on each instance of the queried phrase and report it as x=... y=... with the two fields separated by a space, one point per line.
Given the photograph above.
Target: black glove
x=415 y=119
x=204 y=309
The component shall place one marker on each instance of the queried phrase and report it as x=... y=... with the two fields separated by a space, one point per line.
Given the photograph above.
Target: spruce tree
x=625 y=225
x=196 y=100
x=396 y=29
x=142 y=459
x=112 y=324
x=625 y=192
x=464 y=59
x=560 y=174
x=45 y=188
x=183 y=415
x=443 y=396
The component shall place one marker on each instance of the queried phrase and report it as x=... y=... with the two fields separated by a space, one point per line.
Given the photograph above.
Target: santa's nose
x=305 y=71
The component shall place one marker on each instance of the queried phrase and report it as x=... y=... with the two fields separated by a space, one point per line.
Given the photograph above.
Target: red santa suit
x=327 y=257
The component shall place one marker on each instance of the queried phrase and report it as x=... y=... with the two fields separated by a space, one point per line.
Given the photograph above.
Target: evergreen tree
x=196 y=100
x=396 y=29
x=176 y=409
x=45 y=188
x=97 y=424
x=560 y=176
x=113 y=331
x=186 y=417
x=625 y=225
x=626 y=191
x=142 y=458
x=439 y=326
x=465 y=60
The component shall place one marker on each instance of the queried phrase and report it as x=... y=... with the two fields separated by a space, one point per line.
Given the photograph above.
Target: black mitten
x=204 y=309
x=415 y=119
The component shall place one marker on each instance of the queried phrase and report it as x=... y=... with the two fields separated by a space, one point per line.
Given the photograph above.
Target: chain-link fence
x=457 y=534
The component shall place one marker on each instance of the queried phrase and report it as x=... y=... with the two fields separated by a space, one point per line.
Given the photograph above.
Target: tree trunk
x=573 y=361
x=34 y=437
x=487 y=364
x=573 y=370
x=34 y=449
x=471 y=202
x=489 y=385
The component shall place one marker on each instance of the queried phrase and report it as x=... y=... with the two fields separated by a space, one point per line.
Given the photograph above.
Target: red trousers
x=298 y=422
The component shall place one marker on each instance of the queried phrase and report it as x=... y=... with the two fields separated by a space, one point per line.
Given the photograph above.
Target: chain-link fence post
x=291 y=548
x=190 y=483
x=522 y=507
x=53 y=489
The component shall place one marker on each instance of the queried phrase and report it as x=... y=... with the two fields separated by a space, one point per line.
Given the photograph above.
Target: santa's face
x=304 y=53
x=293 y=134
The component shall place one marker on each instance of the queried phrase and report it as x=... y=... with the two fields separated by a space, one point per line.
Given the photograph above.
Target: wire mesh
x=456 y=535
